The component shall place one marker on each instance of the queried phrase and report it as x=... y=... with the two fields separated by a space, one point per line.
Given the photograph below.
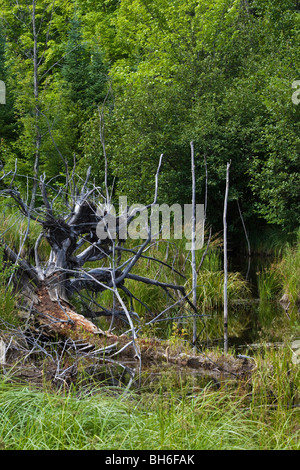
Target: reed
x=275 y=395
x=8 y=311
x=252 y=415
x=14 y=228
x=289 y=271
x=270 y=241
x=283 y=276
x=211 y=285
x=269 y=284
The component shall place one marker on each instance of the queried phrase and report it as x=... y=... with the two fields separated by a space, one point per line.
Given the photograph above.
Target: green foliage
x=7 y=118
x=282 y=277
x=289 y=272
x=13 y=228
x=269 y=286
x=219 y=73
x=210 y=292
x=271 y=385
x=8 y=302
x=83 y=69
x=34 y=101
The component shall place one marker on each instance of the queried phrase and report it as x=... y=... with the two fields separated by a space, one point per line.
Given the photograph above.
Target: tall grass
x=289 y=271
x=191 y=419
x=210 y=290
x=14 y=228
x=283 y=277
x=269 y=284
x=275 y=396
x=8 y=299
x=270 y=240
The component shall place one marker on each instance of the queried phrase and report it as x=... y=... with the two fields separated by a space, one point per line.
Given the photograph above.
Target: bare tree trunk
x=38 y=136
x=194 y=270
x=225 y=261
x=206 y=189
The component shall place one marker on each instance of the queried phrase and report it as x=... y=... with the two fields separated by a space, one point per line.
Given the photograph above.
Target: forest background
x=163 y=73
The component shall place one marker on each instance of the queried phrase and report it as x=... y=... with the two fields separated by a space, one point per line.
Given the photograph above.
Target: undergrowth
x=282 y=279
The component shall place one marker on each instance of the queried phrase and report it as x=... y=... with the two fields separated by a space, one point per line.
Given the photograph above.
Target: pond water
x=264 y=320
x=253 y=323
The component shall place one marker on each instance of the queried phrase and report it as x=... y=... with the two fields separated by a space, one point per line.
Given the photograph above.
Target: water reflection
x=252 y=322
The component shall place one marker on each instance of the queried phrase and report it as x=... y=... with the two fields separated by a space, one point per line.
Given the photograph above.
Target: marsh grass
x=283 y=276
x=289 y=271
x=269 y=240
x=259 y=414
x=8 y=298
x=275 y=396
x=276 y=381
x=269 y=284
x=256 y=414
x=210 y=290
x=13 y=228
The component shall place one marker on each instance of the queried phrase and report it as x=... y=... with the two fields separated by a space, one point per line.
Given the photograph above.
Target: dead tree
x=225 y=260
x=69 y=218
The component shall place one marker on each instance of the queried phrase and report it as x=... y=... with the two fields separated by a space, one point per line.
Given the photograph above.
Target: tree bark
x=225 y=261
x=74 y=244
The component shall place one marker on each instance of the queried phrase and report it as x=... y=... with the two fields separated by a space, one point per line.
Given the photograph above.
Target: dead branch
x=71 y=234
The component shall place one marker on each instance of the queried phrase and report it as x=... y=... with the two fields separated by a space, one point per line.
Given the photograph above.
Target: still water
x=253 y=323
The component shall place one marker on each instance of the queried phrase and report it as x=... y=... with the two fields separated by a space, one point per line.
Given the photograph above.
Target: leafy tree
x=83 y=69
x=219 y=73
x=7 y=120
x=85 y=77
x=34 y=32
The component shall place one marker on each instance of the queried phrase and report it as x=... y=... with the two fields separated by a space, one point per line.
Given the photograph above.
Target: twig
x=247 y=238
x=205 y=252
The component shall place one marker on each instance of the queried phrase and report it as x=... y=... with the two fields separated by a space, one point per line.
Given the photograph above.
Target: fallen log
x=71 y=231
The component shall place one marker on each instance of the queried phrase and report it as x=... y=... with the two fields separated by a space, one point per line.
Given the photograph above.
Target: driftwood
x=54 y=329
x=23 y=353
x=69 y=218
